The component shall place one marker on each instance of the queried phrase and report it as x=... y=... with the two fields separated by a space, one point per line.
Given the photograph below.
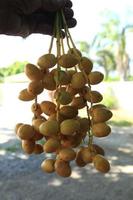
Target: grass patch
x=121 y=118
x=109 y=99
x=17 y=147
x=112 y=79
x=13 y=149
x=120 y=123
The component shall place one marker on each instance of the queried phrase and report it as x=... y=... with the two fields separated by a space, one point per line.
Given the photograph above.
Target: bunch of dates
x=66 y=126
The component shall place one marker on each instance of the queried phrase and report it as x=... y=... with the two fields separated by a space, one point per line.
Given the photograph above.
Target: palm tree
x=122 y=57
x=104 y=58
x=112 y=38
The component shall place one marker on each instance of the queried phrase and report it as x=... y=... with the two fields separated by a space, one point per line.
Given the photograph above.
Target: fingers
x=44 y=23
x=68 y=4
x=54 y=5
x=71 y=23
x=27 y=19
x=68 y=13
x=30 y=6
x=47 y=29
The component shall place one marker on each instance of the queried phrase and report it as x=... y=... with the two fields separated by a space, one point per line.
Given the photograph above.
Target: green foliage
x=113 y=38
x=15 y=68
x=109 y=99
x=130 y=78
x=109 y=57
x=110 y=32
x=15 y=147
x=106 y=59
x=112 y=79
x=1 y=75
x=109 y=45
x=1 y=78
x=84 y=46
x=111 y=26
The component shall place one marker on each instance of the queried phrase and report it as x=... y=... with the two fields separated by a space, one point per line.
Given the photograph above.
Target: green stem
x=58 y=36
x=51 y=44
x=67 y=30
x=35 y=107
x=53 y=36
x=62 y=45
x=85 y=75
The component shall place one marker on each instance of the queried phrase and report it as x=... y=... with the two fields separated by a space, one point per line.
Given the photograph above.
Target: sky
x=89 y=21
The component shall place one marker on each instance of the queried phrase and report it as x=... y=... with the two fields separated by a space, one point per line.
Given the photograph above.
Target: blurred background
x=104 y=33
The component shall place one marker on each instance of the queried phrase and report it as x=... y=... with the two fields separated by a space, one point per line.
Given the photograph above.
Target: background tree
x=15 y=68
x=107 y=61
x=112 y=38
x=84 y=47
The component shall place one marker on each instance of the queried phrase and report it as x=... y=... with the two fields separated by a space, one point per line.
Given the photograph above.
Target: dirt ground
x=22 y=179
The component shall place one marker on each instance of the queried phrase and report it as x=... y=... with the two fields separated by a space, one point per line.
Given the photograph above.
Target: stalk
x=58 y=45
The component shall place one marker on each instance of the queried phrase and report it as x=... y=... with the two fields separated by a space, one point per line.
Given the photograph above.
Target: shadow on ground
x=22 y=179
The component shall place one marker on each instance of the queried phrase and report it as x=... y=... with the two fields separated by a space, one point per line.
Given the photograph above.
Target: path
x=22 y=179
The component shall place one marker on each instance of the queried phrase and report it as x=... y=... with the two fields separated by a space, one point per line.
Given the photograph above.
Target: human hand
x=24 y=17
